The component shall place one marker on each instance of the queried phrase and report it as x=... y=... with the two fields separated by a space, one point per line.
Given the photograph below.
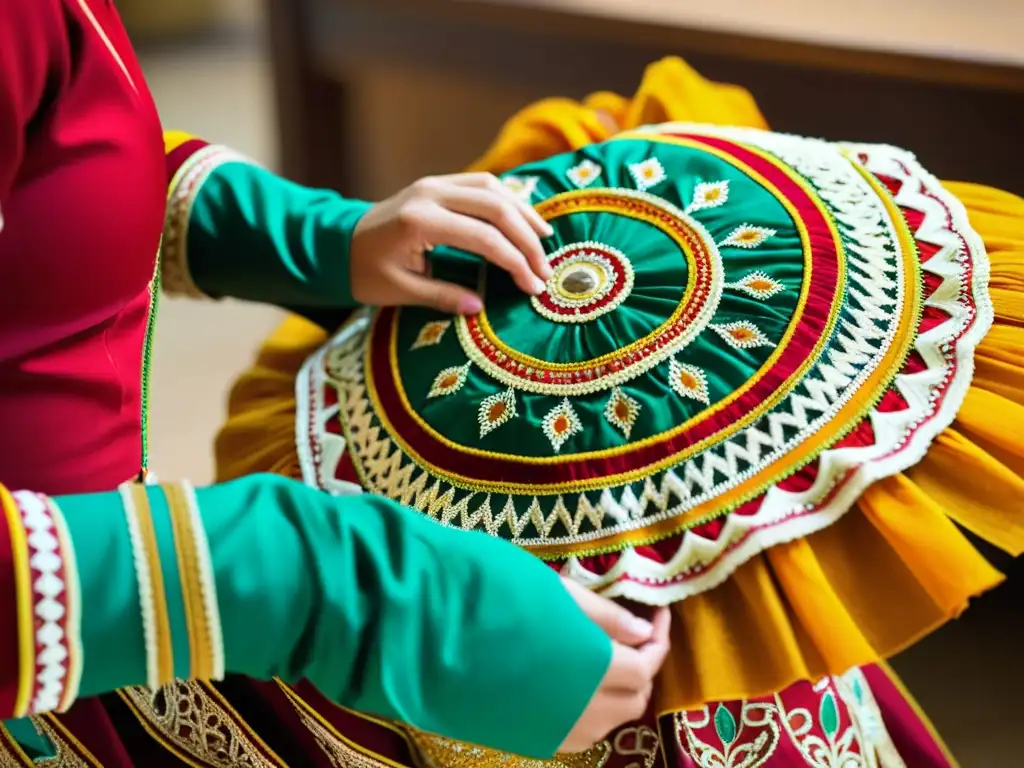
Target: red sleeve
x=33 y=47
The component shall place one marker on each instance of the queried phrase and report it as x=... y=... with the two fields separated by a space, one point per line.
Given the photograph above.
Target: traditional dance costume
x=769 y=383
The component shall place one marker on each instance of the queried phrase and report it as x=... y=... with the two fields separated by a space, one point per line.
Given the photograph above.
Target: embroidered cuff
x=180 y=615
x=189 y=164
x=44 y=640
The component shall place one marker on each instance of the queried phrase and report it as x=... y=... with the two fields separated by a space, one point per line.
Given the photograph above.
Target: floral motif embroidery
x=622 y=411
x=648 y=173
x=497 y=410
x=746 y=742
x=584 y=174
x=709 y=195
x=561 y=423
x=688 y=381
x=758 y=284
x=522 y=187
x=747 y=236
x=431 y=334
x=742 y=335
x=449 y=381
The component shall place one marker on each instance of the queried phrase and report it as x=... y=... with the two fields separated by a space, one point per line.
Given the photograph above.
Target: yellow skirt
x=891 y=570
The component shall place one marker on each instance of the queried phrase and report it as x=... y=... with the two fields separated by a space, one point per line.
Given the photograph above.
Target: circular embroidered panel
x=742 y=330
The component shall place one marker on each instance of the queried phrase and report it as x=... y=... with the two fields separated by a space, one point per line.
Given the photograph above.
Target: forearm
x=236 y=229
x=385 y=611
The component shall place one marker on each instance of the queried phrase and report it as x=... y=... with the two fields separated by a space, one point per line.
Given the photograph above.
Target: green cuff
x=253 y=235
x=384 y=610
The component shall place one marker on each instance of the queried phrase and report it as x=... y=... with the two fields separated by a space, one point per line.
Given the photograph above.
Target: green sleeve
x=253 y=235
x=385 y=611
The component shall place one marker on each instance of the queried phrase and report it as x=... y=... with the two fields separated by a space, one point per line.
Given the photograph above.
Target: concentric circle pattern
x=742 y=331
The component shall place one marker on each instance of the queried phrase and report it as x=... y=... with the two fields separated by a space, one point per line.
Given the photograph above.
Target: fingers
x=493 y=184
x=507 y=215
x=475 y=236
x=618 y=622
x=607 y=711
x=426 y=292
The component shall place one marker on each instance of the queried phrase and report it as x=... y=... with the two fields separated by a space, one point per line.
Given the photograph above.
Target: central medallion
x=592 y=279
x=588 y=280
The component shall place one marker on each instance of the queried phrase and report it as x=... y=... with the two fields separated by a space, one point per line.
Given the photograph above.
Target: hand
x=639 y=648
x=473 y=212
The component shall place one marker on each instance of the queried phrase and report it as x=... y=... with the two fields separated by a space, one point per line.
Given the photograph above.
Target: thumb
x=445 y=297
x=618 y=622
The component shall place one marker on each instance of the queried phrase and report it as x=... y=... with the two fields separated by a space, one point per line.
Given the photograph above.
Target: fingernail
x=470 y=305
x=546 y=271
x=639 y=627
x=548 y=230
x=538 y=285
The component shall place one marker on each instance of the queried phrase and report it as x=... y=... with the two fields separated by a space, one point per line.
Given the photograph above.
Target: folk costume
x=771 y=383
x=129 y=590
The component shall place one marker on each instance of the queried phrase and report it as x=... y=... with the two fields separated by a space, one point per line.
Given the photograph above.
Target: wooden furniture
x=373 y=93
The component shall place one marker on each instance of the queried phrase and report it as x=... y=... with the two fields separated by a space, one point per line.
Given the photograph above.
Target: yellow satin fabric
x=891 y=570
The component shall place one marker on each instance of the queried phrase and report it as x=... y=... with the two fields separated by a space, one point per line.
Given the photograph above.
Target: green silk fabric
x=253 y=235
x=383 y=610
x=660 y=271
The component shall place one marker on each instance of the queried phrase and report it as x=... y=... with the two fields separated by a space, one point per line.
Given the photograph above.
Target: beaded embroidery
x=56 y=605
x=747 y=236
x=449 y=381
x=757 y=390
x=584 y=174
x=521 y=187
x=742 y=335
x=496 y=410
x=560 y=424
x=648 y=173
x=688 y=381
x=709 y=195
x=758 y=285
x=431 y=334
x=622 y=411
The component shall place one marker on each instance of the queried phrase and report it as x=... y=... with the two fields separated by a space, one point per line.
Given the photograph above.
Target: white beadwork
x=860 y=341
x=709 y=195
x=622 y=411
x=607 y=273
x=688 y=381
x=561 y=423
x=747 y=236
x=449 y=381
x=584 y=174
x=522 y=187
x=56 y=618
x=647 y=173
x=760 y=285
x=496 y=410
x=742 y=335
x=431 y=334
x=696 y=326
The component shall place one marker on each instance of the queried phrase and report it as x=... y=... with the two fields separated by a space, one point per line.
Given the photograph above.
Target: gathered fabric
x=894 y=568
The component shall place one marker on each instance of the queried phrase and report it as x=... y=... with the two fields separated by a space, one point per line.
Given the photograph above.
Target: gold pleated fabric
x=891 y=570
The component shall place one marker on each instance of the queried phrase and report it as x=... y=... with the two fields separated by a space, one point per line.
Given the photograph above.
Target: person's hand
x=473 y=212
x=639 y=648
